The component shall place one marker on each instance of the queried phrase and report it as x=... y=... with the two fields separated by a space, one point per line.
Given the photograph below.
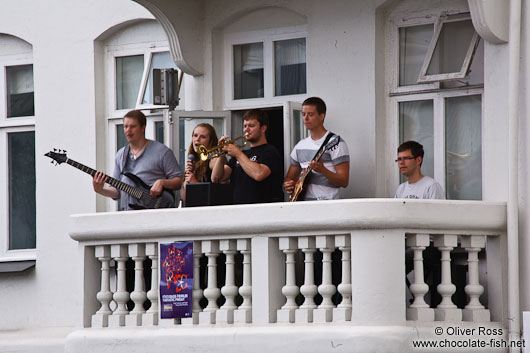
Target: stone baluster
x=226 y=313
x=197 y=291
x=243 y=314
x=121 y=296
x=308 y=289
x=324 y=312
x=474 y=310
x=446 y=310
x=212 y=293
x=150 y=318
x=290 y=290
x=419 y=310
x=104 y=296
x=343 y=311
x=138 y=295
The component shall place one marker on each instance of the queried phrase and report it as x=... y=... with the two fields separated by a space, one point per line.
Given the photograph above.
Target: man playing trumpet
x=255 y=174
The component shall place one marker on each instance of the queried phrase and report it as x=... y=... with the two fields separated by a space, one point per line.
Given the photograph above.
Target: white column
x=104 y=296
x=308 y=289
x=138 y=296
x=197 y=291
x=324 y=312
x=226 y=313
x=243 y=314
x=419 y=310
x=150 y=318
x=343 y=311
x=121 y=296
x=290 y=290
x=446 y=310
x=211 y=250
x=474 y=310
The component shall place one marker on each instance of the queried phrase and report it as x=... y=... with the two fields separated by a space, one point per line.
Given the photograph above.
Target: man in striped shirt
x=332 y=171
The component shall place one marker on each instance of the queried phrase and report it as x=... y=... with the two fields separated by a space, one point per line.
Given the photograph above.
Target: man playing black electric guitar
x=150 y=161
x=330 y=172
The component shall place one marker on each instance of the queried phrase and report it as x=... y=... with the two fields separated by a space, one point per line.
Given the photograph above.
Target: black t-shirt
x=248 y=190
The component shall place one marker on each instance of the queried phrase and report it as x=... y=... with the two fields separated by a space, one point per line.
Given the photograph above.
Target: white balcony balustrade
x=300 y=263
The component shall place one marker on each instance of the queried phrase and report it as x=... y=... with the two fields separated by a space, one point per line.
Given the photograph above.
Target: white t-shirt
x=425 y=188
x=318 y=186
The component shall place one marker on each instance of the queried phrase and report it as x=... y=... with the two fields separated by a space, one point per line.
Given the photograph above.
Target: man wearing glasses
x=417 y=186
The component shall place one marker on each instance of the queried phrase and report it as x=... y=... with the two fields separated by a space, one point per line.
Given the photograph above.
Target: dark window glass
x=21 y=156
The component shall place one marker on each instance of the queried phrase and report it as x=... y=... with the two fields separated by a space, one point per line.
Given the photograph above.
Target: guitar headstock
x=59 y=156
x=333 y=142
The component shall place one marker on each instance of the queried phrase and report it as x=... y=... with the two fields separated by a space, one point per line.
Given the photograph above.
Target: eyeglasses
x=404 y=159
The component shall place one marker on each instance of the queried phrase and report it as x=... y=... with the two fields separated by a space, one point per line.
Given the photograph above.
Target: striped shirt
x=318 y=187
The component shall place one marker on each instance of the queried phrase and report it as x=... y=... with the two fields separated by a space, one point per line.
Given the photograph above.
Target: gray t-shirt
x=425 y=188
x=157 y=161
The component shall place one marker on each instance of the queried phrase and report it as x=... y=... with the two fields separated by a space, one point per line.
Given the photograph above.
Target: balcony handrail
x=316 y=217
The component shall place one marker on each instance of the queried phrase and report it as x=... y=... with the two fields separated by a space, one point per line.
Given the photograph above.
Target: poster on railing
x=176 y=280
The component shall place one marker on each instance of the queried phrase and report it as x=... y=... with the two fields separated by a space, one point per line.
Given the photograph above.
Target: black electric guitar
x=304 y=175
x=140 y=192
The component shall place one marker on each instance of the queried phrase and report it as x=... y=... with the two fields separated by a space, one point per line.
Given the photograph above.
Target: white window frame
x=267 y=37
x=419 y=91
x=10 y=125
x=438 y=130
x=396 y=23
x=7 y=255
x=424 y=78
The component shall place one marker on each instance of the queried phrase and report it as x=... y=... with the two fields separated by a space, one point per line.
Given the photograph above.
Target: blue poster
x=176 y=280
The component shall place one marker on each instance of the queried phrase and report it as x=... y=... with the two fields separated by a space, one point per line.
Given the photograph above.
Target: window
x=17 y=133
x=265 y=66
x=436 y=97
x=129 y=70
x=130 y=55
x=451 y=50
x=248 y=71
x=21 y=166
x=289 y=67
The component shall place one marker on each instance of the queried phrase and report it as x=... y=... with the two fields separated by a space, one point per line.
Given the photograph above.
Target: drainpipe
x=514 y=48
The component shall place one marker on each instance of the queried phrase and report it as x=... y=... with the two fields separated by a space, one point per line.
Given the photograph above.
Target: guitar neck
x=120 y=185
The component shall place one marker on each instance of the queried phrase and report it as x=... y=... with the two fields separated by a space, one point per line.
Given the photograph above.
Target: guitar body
x=165 y=200
x=299 y=190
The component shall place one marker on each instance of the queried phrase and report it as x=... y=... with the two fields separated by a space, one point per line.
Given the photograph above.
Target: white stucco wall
x=341 y=49
x=62 y=34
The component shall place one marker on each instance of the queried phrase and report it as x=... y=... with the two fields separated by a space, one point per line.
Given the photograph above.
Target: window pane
x=20 y=100
x=416 y=123
x=21 y=156
x=159 y=131
x=162 y=60
x=248 y=71
x=129 y=70
x=413 y=45
x=451 y=47
x=290 y=67
x=186 y=128
x=121 y=140
x=463 y=143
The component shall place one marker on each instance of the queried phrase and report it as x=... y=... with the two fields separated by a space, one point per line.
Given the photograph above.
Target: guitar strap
x=326 y=140
x=125 y=157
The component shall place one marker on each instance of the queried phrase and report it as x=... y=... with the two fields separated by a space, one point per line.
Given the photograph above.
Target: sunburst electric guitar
x=304 y=175
x=140 y=191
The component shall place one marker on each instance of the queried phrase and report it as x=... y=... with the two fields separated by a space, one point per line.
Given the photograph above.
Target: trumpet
x=216 y=151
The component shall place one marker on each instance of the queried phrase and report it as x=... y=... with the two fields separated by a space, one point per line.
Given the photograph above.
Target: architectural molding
x=491 y=19
x=184 y=31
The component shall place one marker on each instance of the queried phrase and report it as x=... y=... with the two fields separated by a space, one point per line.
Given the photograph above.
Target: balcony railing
x=305 y=262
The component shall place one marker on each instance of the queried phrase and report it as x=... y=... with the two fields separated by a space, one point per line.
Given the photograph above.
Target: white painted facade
x=351 y=64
